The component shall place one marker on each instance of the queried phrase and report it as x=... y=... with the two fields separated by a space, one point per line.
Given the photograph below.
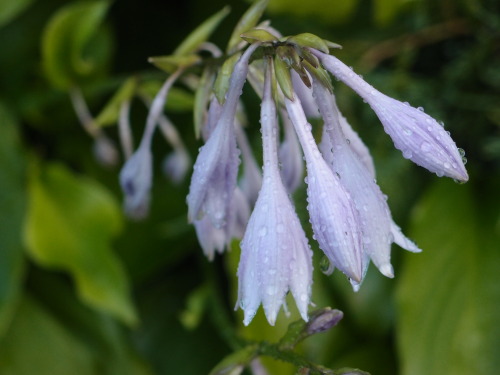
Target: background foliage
x=85 y=291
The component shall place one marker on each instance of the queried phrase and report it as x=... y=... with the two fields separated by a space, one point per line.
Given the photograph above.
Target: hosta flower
x=275 y=254
x=290 y=157
x=135 y=179
x=216 y=168
x=251 y=180
x=332 y=212
x=419 y=136
x=370 y=202
x=211 y=239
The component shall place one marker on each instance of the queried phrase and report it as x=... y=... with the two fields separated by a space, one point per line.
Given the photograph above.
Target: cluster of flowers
x=348 y=212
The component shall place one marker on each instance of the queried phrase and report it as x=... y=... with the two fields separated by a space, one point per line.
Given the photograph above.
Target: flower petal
x=419 y=137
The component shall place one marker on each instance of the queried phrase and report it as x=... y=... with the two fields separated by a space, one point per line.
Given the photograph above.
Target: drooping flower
x=290 y=156
x=211 y=239
x=215 y=170
x=275 y=254
x=136 y=175
x=370 y=202
x=332 y=212
x=417 y=135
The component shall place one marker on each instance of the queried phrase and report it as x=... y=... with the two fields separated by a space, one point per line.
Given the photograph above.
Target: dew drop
x=262 y=231
x=425 y=147
x=407 y=154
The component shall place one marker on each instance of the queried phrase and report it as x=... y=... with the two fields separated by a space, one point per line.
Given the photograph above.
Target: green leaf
x=201 y=98
x=10 y=9
x=37 y=344
x=321 y=10
x=449 y=315
x=179 y=100
x=173 y=62
x=235 y=362
x=246 y=22
x=12 y=211
x=110 y=113
x=384 y=11
x=65 y=55
x=221 y=84
x=70 y=223
x=201 y=33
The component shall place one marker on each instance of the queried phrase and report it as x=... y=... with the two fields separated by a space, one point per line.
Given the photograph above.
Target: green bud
x=258 y=35
x=221 y=84
x=201 y=98
x=320 y=74
x=283 y=76
x=309 y=40
x=246 y=22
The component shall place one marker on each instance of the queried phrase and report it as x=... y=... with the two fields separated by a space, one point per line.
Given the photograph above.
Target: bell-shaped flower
x=216 y=167
x=275 y=254
x=251 y=180
x=417 y=135
x=305 y=95
x=135 y=179
x=332 y=213
x=290 y=157
x=370 y=202
x=211 y=239
x=176 y=164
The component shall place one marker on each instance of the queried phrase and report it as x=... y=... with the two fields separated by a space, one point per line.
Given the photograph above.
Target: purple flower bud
x=176 y=164
x=275 y=254
x=419 y=137
x=332 y=213
x=370 y=202
x=135 y=180
x=215 y=171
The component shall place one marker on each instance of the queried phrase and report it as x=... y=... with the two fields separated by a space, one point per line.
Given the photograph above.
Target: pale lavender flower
x=370 y=202
x=417 y=135
x=332 y=212
x=136 y=175
x=105 y=151
x=251 y=180
x=290 y=156
x=305 y=95
x=275 y=254
x=176 y=164
x=215 y=171
x=211 y=239
x=136 y=179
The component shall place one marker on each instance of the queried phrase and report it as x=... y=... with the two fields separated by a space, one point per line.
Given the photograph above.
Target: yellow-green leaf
x=246 y=22
x=449 y=311
x=172 y=63
x=70 y=223
x=201 y=33
x=66 y=37
x=110 y=113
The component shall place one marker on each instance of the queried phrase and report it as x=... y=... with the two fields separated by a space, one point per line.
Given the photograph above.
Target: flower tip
x=387 y=270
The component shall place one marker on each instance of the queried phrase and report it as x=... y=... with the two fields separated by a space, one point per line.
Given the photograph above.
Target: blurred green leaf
x=325 y=10
x=37 y=344
x=384 y=11
x=65 y=55
x=10 y=9
x=449 y=315
x=201 y=33
x=173 y=62
x=70 y=223
x=12 y=211
x=246 y=22
x=195 y=307
x=110 y=113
